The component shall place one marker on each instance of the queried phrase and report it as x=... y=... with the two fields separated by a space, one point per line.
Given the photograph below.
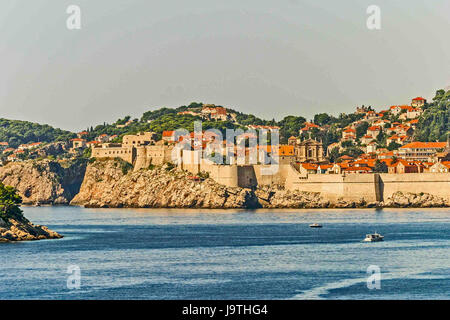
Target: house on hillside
x=374 y=131
x=418 y=102
x=420 y=151
x=78 y=143
x=349 y=134
x=168 y=136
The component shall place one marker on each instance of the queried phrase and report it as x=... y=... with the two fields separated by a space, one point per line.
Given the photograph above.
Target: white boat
x=315 y=225
x=373 y=237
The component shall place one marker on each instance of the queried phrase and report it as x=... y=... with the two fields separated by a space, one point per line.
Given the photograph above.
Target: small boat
x=373 y=237
x=315 y=225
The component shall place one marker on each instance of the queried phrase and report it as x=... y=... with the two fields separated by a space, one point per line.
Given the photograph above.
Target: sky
x=268 y=58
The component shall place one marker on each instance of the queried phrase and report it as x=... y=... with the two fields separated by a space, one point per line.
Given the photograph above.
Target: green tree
x=380 y=167
x=334 y=154
x=10 y=202
x=434 y=124
x=393 y=146
x=362 y=129
x=322 y=119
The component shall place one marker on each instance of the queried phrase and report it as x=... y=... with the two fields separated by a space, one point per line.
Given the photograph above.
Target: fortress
x=142 y=150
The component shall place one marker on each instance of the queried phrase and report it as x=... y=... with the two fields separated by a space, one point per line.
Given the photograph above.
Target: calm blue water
x=176 y=254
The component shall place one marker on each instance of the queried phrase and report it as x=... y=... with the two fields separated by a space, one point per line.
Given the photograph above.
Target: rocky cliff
x=113 y=183
x=44 y=181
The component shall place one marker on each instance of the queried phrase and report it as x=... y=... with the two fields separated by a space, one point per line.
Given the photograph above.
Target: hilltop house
x=308 y=126
x=395 y=110
x=82 y=134
x=418 y=102
x=78 y=143
x=213 y=112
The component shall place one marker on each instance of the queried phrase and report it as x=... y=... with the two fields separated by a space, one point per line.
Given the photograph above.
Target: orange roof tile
x=424 y=145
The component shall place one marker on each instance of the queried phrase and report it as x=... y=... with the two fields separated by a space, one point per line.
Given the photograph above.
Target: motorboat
x=373 y=237
x=315 y=225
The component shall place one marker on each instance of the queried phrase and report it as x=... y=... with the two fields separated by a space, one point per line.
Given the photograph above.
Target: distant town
x=375 y=141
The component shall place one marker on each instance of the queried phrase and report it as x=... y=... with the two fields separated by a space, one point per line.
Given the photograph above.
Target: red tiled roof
x=418 y=99
x=167 y=133
x=423 y=145
x=310 y=166
x=357 y=169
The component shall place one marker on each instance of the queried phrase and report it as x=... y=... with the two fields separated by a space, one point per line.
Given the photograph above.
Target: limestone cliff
x=112 y=183
x=44 y=181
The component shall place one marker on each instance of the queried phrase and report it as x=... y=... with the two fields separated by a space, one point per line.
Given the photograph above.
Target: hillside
x=434 y=124
x=164 y=118
x=17 y=132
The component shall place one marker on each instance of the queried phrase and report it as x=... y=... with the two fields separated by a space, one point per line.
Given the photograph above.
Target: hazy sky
x=270 y=58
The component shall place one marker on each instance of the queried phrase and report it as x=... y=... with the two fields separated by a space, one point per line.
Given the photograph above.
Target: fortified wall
x=353 y=187
x=371 y=187
x=234 y=175
x=139 y=156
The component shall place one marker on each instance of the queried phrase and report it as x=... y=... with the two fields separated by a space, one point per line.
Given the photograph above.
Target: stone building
x=140 y=150
x=309 y=150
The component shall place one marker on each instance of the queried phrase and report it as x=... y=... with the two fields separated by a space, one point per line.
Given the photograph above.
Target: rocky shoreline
x=23 y=230
x=112 y=184
x=13 y=225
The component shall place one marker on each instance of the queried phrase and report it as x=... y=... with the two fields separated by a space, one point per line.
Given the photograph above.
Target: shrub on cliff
x=10 y=202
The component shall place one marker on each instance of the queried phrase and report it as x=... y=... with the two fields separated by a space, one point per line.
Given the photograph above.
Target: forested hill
x=165 y=118
x=17 y=132
x=434 y=124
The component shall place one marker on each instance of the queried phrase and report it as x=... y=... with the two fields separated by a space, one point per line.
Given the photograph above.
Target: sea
x=230 y=254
